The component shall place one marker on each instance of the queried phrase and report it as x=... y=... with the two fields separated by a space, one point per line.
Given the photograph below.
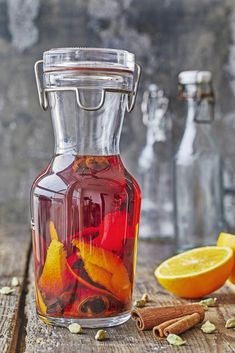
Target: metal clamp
x=199 y=95
x=42 y=92
x=132 y=96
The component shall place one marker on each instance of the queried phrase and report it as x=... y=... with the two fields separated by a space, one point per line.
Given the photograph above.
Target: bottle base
x=87 y=323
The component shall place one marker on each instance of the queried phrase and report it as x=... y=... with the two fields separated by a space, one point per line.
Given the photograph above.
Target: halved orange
x=226 y=239
x=196 y=273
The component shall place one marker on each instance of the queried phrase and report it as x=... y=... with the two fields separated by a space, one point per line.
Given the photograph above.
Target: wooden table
x=22 y=332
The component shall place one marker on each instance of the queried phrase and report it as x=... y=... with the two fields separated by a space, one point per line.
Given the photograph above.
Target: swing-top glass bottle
x=85 y=204
x=198 y=168
x=155 y=167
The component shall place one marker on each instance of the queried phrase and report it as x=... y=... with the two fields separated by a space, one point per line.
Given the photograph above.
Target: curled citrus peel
x=87 y=284
x=55 y=274
x=39 y=300
x=51 y=280
x=53 y=232
x=105 y=268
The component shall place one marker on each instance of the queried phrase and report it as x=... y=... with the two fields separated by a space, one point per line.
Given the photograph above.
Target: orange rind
x=96 y=162
x=55 y=275
x=226 y=239
x=197 y=272
x=39 y=301
x=52 y=279
x=105 y=268
x=97 y=273
x=53 y=232
x=84 y=281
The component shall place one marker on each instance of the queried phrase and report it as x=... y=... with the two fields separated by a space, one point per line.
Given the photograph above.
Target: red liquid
x=86 y=215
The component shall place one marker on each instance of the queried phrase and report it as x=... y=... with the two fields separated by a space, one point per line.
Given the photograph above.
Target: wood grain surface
x=126 y=338
x=42 y=338
x=14 y=254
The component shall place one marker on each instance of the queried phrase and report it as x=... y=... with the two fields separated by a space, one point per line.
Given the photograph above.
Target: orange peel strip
x=39 y=300
x=89 y=285
x=53 y=232
x=51 y=280
x=98 y=273
x=106 y=261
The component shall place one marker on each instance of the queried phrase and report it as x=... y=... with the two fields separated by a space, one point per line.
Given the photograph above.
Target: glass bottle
x=198 y=170
x=155 y=167
x=85 y=204
x=229 y=193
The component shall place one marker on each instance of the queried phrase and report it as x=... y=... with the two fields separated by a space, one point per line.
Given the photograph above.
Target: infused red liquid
x=85 y=225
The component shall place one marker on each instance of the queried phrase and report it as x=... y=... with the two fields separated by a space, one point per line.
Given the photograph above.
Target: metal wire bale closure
x=42 y=92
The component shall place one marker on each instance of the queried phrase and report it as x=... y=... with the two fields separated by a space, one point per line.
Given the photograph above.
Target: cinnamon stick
x=176 y=326
x=149 y=317
x=158 y=331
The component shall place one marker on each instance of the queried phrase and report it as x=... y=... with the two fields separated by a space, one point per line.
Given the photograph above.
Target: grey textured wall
x=167 y=37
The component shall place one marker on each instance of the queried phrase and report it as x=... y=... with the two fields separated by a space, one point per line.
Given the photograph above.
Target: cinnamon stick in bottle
x=149 y=317
x=176 y=326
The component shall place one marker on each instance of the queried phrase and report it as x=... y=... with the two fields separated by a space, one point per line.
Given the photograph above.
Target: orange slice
x=105 y=268
x=196 y=273
x=226 y=239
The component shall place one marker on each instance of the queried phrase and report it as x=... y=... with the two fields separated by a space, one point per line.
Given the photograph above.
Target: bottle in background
x=155 y=167
x=197 y=167
x=229 y=193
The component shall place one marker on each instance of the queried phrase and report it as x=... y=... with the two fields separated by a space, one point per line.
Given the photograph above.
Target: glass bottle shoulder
x=101 y=173
x=198 y=142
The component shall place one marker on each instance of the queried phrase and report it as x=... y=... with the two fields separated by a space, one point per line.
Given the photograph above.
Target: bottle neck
x=200 y=104
x=186 y=147
x=82 y=132
x=200 y=112
x=197 y=127
x=191 y=112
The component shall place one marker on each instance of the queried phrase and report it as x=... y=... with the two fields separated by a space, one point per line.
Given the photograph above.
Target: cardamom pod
x=230 y=323
x=208 y=327
x=101 y=335
x=75 y=328
x=140 y=303
x=145 y=297
x=6 y=290
x=209 y=302
x=15 y=282
x=175 y=340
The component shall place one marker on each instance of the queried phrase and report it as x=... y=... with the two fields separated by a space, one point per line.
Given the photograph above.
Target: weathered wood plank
x=14 y=248
x=125 y=338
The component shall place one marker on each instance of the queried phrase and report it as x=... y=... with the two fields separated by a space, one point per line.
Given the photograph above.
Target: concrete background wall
x=167 y=36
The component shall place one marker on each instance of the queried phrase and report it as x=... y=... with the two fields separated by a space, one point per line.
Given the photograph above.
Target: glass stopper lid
x=194 y=77
x=88 y=58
